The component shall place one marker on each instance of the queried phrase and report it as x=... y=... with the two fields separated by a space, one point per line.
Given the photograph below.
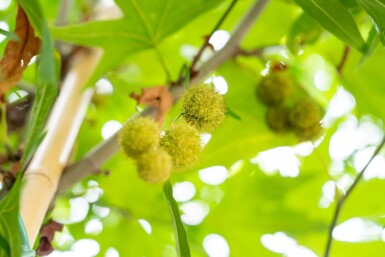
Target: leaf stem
x=343 y=199
x=182 y=245
x=206 y=43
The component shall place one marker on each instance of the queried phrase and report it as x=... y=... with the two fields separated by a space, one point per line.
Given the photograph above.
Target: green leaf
x=4 y=246
x=183 y=248
x=46 y=81
x=366 y=83
x=334 y=17
x=349 y=3
x=376 y=9
x=9 y=226
x=25 y=248
x=371 y=45
x=303 y=31
x=144 y=25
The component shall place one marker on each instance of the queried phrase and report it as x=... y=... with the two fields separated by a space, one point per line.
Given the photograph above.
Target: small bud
x=274 y=88
x=139 y=136
x=154 y=166
x=183 y=143
x=204 y=108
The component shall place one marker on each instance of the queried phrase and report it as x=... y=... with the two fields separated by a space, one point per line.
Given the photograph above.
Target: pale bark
x=43 y=173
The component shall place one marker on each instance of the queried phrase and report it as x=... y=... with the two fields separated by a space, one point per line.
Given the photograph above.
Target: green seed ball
x=277 y=119
x=204 y=108
x=305 y=113
x=154 y=166
x=309 y=134
x=139 y=136
x=183 y=143
x=275 y=88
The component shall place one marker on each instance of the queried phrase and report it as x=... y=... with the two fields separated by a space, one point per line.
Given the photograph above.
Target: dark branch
x=343 y=199
x=344 y=58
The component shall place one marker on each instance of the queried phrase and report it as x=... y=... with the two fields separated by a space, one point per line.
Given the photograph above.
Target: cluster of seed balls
x=179 y=148
x=285 y=113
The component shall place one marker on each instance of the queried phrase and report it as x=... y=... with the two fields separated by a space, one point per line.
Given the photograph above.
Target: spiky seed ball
x=277 y=118
x=154 y=166
x=305 y=113
x=274 y=88
x=204 y=108
x=183 y=143
x=309 y=134
x=139 y=136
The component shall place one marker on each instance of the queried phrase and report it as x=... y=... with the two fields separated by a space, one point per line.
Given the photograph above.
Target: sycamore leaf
x=145 y=24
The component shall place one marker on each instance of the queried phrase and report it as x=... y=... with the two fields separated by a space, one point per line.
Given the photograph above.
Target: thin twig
x=255 y=52
x=343 y=199
x=232 y=45
x=105 y=150
x=206 y=43
x=344 y=58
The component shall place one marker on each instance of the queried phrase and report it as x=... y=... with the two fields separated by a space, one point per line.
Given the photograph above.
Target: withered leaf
x=18 y=53
x=47 y=234
x=158 y=97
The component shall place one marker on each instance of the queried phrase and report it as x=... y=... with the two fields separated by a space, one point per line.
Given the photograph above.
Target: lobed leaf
x=144 y=25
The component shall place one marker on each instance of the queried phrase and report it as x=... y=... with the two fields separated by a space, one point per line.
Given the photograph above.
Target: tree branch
x=106 y=149
x=231 y=48
x=343 y=60
x=343 y=199
x=206 y=43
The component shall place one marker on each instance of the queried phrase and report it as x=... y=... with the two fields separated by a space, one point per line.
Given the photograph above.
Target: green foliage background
x=251 y=202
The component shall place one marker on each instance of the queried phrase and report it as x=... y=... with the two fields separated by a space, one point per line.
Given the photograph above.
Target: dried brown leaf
x=47 y=234
x=18 y=53
x=158 y=97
